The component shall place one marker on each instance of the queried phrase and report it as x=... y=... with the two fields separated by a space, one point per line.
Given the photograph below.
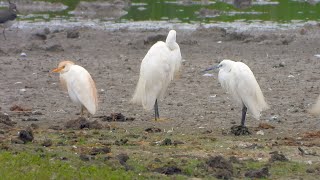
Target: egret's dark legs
x=242 y=129
x=82 y=111
x=244 y=113
x=4 y=35
x=156 y=111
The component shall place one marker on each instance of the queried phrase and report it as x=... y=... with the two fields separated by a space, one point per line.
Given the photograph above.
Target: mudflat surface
x=283 y=62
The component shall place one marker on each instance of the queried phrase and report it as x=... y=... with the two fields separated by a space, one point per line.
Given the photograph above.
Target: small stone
x=84 y=157
x=23 y=54
x=310 y=170
x=275 y=156
x=282 y=64
x=123 y=158
x=30 y=119
x=102 y=150
x=26 y=135
x=54 y=48
x=72 y=33
x=47 y=143
x=166 y=142
x=179 y=104
x=153 y=130
x=260 y=133
x=260 y=173
x=121 y=142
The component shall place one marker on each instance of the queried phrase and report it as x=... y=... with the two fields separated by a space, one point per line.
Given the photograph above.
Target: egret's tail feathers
x=258 y=105
x=141 y=97
x=315 y=110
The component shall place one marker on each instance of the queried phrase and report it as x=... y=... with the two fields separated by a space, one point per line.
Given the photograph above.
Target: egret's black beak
x=212 y=68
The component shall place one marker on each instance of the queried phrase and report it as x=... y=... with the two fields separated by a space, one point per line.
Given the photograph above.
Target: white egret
x=238 y=80
x=79 y=84
x=158 y=68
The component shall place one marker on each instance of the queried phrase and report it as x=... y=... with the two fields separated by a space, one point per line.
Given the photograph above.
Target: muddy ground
x=283 y=62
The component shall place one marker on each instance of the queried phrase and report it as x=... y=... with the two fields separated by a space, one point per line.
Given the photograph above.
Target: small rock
x=121 y=142
x=84 y=157
x=18 y=108
x=153 y=130
x=116 y=117
x=179 y=104
x=260 y=173
x=275 y=118
x=46 y=30
x=102 y=150
x=222 y=168
x=30 y=119
x=26 y=135
x=265 y=126
x=55 y=127
x=275 y=156
x=54 y=48
x=177 y=142
x=169 y=170
x=23 y=54
x=260 y=133
x=154 y=38
x=310 y=170
x=72 y=33
x=166 y=142
x=82 y=123
x=39 y=36
x=47 y=143
x=123 y=158
x=240 y=130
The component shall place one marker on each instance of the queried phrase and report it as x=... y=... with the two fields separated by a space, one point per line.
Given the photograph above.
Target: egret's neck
x=172 y=45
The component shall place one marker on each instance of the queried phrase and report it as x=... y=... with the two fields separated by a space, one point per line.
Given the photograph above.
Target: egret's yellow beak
x=57 y=69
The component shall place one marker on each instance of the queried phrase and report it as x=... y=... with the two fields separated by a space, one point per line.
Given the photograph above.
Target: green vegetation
x=147 y=159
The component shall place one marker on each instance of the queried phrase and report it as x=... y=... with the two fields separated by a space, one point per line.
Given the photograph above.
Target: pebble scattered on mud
x=116 y=117
x=101 y=150
x=82 y=123
x=168 y=170
x=26 y=135
x=220 y=167
x=260 y=173
x=153 y=130
x=276 y=156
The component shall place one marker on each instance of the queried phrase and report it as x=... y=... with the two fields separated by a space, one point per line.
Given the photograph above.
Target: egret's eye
x=63 y=67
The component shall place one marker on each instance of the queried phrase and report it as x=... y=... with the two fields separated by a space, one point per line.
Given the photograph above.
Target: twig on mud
x=303 y=152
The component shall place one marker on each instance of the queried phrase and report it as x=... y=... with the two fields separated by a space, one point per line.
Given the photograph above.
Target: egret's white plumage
x=238 y=80
x=79 y=84
x=158 y=68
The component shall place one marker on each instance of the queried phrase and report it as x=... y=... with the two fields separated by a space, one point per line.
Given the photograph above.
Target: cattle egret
x=79 y=84
x=238 y=80
x=158 y=68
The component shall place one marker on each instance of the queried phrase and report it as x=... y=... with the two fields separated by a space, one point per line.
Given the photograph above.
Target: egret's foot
x=240 y=130
x=160 y=120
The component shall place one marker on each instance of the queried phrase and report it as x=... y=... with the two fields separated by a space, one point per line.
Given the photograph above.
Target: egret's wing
x=249 y=90
x=83 y=87
x=228 y=82
x=155 y=76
